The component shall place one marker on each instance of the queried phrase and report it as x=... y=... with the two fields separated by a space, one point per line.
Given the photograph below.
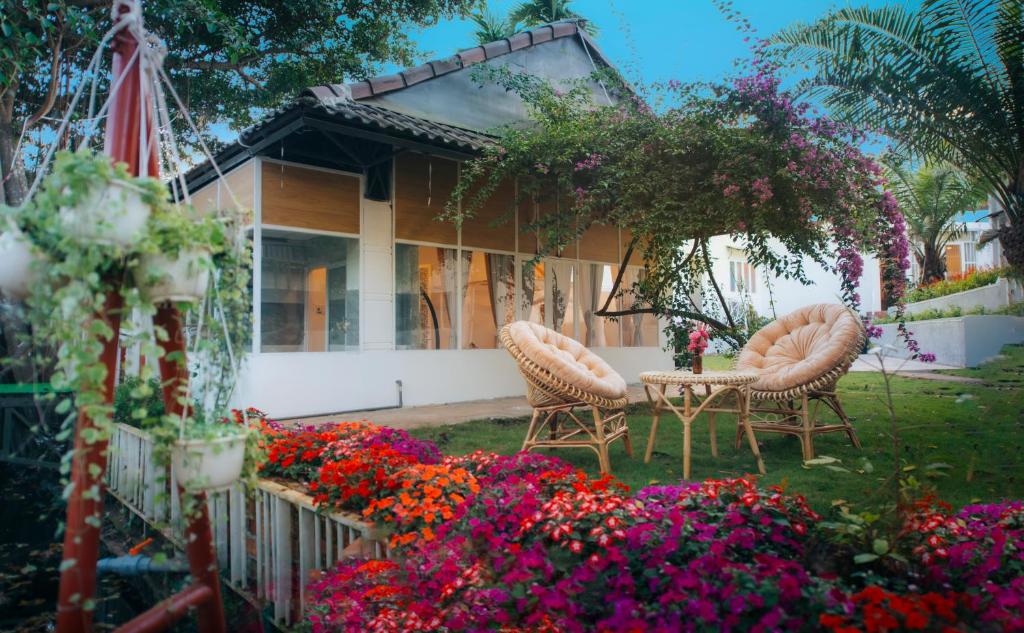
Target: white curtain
x=501 y=270
x=632 y=325
x=449 y=275
x=591 y=278
x=558 y=279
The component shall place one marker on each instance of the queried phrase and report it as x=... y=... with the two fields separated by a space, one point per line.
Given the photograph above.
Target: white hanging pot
x=16 y=259
x=183 y=279
x=113 y=214
x=209 y=464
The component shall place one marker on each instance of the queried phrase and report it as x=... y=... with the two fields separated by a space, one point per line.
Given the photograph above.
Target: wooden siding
x=600 y=243
x=493 y=227
x=310 y=198
x=241 y=182
x=214 y=195
x=422 y=187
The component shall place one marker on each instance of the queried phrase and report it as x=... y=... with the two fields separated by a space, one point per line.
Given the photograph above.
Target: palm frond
x=490 y=27
x=945 y=81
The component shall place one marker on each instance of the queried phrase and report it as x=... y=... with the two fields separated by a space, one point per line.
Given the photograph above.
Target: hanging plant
x=210 y=457
x=101 y=263
x=177 y=255
x=18 y=264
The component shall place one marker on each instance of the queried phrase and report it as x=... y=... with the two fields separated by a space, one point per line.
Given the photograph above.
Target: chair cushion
x=801 y=347
x=567 y=359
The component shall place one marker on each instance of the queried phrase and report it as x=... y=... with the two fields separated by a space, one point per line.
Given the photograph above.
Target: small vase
x=698 y=363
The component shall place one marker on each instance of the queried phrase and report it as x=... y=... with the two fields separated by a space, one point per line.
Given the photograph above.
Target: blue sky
x=657 y=40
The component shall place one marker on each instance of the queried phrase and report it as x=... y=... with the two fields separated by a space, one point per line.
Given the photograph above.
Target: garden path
x=912 y=369
x=444 y=414
x=506 y=408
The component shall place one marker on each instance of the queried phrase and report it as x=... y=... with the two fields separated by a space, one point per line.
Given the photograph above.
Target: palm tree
x=490 y=27
x=931 y=198
x=536 y=12
x=945 y=81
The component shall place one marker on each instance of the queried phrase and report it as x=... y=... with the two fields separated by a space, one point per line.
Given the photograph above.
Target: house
x=362 y=299
x=744 y=285
x=964 y=253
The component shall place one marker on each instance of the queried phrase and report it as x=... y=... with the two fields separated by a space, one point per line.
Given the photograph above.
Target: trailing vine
x=79 y=282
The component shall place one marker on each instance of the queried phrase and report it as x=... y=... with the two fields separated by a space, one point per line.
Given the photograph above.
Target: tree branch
x=618 y=278
x=718 y=291
x=51 y=90
x=686 y=314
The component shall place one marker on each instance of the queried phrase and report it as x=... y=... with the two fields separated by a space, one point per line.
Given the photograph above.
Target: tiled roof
x=390 y=121
x=424 y=72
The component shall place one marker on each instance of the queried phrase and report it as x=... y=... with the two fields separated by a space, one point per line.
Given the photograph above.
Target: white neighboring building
x=771 y=295
x=964 y=254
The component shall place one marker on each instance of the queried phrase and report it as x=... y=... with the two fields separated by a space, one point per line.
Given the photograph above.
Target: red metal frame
x=85 y=503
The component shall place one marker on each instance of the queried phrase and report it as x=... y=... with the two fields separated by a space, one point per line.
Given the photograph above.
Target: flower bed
x=954 y=283
x=529 y=543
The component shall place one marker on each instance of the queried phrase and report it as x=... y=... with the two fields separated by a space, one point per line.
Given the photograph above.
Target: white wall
x=959 y=341
x=292 y=384
x=789 y=294
x=305 y=384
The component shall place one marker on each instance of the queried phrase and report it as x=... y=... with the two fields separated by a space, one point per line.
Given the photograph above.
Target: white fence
x=269 y=540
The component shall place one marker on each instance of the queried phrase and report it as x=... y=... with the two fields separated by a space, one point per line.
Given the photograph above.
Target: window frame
x=257 y=249
x=358 y=245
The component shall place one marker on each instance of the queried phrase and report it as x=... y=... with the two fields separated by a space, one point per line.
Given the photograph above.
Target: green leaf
x=862 y=559
x=880 y=546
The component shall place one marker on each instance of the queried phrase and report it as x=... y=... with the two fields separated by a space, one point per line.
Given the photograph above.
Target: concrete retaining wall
x=992 y=297
x=964 y=341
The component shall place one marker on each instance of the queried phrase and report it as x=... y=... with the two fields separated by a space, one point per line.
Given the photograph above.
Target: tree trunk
x=933 y=268
x=1012 y=239
x=12 y=167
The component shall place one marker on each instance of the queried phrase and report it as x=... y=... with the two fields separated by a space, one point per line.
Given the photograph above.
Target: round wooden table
x=717 y=384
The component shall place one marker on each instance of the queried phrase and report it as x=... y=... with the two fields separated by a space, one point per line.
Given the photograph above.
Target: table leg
x=687 y=419
x=744 y=396
x=657 y=401
x=711 y=424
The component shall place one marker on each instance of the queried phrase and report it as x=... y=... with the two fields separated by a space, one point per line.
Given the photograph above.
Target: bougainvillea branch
x=741 y=158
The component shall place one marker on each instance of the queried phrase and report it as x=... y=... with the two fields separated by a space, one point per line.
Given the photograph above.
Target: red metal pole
x=81 y=540
x=164 y=614
x=202 y=557
x=85 y=502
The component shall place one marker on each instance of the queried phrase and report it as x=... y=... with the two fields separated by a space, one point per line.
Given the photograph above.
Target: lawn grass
x=976 y=429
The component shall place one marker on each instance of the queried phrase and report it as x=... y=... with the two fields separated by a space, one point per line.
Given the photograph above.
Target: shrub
x=298 y=453
x=957 y=283
x=358 y=478
x=132 y=395
x=422 y=497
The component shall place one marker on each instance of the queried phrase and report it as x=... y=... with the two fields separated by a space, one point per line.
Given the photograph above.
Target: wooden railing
x=269 y=539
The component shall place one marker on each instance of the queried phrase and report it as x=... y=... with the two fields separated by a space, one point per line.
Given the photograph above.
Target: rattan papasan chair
x=578 y=400
x=799 y=358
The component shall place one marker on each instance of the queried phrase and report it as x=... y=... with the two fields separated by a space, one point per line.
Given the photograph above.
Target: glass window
x=426 y=296
x=310 y=292
x=638 y=330
x=595 y=287
x=531 y=306
x=558 y=296
x=489 y=299
x=970 y=256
